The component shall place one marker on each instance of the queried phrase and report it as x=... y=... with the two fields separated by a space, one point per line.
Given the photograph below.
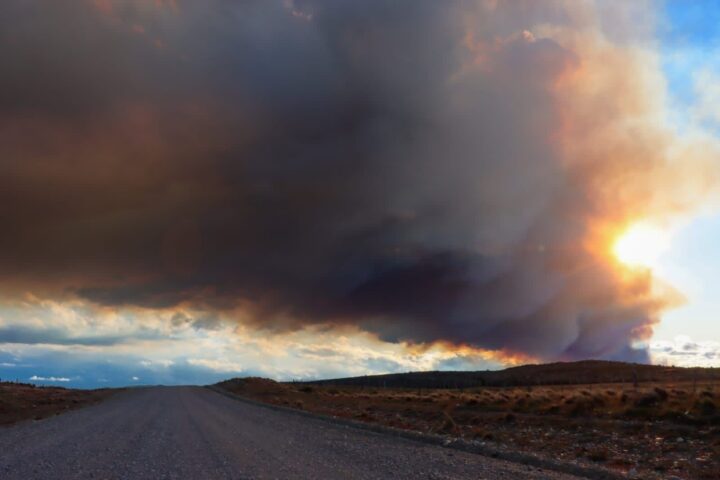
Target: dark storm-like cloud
x=392 y=165
x=59 y=336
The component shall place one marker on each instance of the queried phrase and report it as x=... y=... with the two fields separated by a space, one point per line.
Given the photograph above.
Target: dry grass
x=658 y=429
x=19 y=401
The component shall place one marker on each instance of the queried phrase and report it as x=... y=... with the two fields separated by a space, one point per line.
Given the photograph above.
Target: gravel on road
x=194 y=433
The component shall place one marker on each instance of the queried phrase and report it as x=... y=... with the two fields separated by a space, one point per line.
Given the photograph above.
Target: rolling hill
x=560 y=373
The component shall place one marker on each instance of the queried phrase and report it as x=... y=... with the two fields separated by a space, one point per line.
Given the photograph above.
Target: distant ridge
x=560 y=373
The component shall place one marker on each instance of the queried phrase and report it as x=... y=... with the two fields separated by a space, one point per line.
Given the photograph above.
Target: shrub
x=639 y=412
x=598 y=455
x=448 y=425
x=479 y=433
x=662 y=394
x=706 y=407
x=583 y=407
x=647 y=400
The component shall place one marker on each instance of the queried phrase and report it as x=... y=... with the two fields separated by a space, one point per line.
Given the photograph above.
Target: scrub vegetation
x=23 y=401
x=661 y=422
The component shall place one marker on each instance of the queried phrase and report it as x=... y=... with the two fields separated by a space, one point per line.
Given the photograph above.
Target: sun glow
x=641 y=245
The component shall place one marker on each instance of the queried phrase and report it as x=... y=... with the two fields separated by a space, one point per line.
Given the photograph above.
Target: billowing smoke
x=426 y=171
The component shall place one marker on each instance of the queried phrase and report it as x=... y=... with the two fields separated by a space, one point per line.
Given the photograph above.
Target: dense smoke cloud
x=422 y=170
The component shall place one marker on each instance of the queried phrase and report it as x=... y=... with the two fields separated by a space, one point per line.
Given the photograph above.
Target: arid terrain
x=22 y=401
x=652 y=422
x=663 y=423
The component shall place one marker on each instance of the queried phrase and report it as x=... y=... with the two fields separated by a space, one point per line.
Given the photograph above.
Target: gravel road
x=194 y=433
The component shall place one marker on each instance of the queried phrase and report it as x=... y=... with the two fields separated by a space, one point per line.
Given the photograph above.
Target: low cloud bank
x=686 y=352
x=36 y=378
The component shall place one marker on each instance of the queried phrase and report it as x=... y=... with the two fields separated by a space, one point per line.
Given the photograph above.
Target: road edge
x=439 y=440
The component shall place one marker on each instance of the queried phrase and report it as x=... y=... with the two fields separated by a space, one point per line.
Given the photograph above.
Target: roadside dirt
x=21 y=401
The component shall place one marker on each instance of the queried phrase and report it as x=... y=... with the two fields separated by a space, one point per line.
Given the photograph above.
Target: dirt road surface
x=195 y=433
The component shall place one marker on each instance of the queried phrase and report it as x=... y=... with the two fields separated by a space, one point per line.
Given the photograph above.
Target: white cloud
x=161 y=362
x=219 y=365
x=36 y=378
x=686 y=352
x=135 y=379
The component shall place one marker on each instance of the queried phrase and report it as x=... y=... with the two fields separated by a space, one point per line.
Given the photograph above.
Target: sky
x=191 y=191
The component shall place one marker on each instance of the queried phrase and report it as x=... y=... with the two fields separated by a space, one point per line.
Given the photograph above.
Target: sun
x=641 y=245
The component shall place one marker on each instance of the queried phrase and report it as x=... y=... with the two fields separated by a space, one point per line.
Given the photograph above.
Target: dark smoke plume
x=423 y=170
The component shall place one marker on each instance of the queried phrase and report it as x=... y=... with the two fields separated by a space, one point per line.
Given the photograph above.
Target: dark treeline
x=583 y=372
